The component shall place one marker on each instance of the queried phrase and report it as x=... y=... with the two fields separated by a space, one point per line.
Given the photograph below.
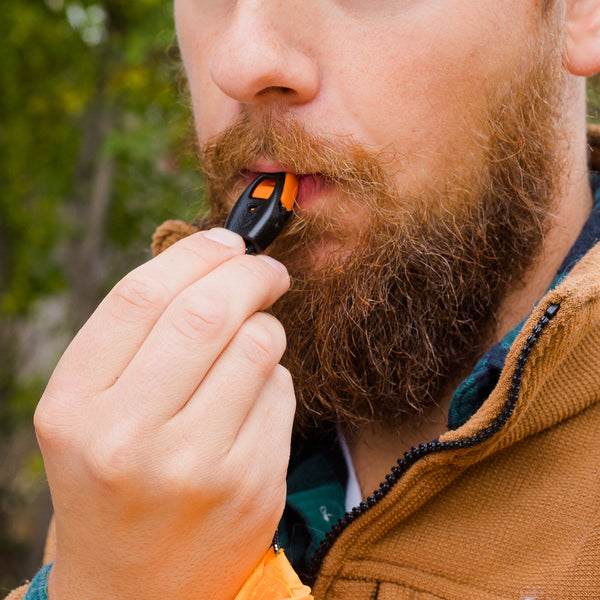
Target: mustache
x=228 y=158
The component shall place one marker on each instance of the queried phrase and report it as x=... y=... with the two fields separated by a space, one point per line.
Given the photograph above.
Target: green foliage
x=88 y=97
x=61 y=61
x=593 y=93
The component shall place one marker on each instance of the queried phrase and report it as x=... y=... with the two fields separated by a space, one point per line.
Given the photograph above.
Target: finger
x=193 y=331
x=265 y=436
x=107 y=342
x=221 y=404
x=252 y=458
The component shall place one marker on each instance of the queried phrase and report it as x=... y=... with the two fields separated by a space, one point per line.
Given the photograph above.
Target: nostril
x=276 y=90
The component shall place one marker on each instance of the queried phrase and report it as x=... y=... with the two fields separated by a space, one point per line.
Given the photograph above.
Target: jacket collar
x=475 y=389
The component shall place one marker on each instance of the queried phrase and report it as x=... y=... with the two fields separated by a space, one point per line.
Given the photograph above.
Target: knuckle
x=136 y=293
x=257 y=269
x=195 y=246
x=56 y=421
x=262 y=339
x=112 y=461
x=203 y=475
x=212 y=489
x=200 y=315
x=105 y=470
x=276 y=491
x=265 y=494
x=44 y=422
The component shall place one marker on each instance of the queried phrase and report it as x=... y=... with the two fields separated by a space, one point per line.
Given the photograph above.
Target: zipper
x=417 y=452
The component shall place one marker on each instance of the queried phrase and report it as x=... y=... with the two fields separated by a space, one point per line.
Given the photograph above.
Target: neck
x=375 y=448
x=573 y=205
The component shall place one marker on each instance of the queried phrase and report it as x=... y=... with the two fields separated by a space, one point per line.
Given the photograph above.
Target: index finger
x=107 y=342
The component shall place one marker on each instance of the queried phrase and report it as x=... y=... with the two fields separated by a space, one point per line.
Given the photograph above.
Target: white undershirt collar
x=353 y=495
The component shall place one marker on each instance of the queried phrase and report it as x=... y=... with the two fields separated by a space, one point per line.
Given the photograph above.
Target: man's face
x=407 y=76
x=424 y=134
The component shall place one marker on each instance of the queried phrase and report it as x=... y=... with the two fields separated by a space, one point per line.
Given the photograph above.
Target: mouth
x=312 y=187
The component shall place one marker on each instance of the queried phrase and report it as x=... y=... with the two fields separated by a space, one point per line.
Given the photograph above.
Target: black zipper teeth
x=418 y=452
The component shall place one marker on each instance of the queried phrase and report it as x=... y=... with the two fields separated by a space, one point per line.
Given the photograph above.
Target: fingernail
x=274 y=263
x=224 y=236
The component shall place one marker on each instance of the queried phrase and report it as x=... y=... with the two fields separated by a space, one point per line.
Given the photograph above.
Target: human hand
x=165 y=429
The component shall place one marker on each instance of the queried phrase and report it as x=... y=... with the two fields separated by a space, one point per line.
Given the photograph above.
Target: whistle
x=261 y=212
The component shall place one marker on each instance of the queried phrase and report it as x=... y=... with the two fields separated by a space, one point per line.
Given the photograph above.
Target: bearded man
x=442 y=323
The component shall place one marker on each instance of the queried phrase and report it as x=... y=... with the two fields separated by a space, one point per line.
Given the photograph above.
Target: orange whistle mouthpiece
x=261 y=212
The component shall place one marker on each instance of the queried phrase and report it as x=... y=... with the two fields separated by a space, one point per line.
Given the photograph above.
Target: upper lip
x=270 y=167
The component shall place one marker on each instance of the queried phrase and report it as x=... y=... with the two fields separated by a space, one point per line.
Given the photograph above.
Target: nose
x=265 y=54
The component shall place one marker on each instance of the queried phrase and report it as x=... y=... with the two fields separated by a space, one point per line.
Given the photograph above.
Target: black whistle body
x=261 y=212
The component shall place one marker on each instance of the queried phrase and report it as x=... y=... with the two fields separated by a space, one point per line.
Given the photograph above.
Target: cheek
x=197 y=34
x=424 y=86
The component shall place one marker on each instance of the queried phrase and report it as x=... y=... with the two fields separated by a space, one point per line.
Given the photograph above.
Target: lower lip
x=310 y=189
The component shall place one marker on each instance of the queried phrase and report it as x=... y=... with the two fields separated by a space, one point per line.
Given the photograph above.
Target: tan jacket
x=516 y=515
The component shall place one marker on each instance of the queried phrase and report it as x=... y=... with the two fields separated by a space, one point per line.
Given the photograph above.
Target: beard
x=395 y=294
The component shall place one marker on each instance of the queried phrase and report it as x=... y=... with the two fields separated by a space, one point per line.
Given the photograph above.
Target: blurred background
x=96 y=149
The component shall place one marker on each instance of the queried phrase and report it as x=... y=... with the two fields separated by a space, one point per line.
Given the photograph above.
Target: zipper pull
x=263 y=209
